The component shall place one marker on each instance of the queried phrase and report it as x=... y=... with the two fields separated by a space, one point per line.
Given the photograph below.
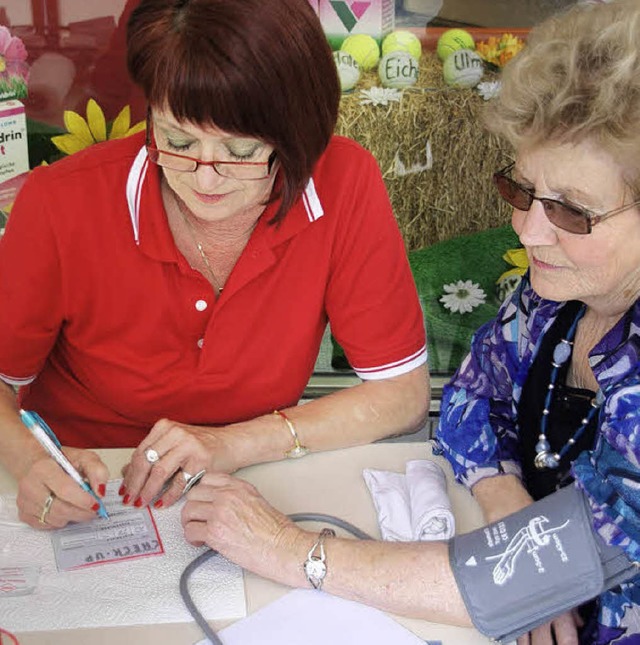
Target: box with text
x=342 y=18
x=14 y=151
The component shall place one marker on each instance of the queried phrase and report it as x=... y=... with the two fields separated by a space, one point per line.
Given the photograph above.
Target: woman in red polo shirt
x=171 y=292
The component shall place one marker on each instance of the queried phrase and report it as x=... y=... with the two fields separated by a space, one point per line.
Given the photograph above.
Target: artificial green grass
x=476 y=257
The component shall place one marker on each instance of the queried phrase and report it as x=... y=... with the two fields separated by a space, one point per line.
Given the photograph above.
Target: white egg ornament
x=348 y=70
x=398 y=69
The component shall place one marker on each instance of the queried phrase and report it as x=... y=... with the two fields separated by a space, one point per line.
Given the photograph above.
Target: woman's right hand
x=69 y=502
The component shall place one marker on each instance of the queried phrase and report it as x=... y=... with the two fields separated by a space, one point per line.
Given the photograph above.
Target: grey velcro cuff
x=520 y=572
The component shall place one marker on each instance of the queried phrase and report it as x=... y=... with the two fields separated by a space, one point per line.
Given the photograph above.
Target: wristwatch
x=315 y=567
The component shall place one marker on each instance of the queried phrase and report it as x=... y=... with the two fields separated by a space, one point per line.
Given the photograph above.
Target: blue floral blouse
x=479 y=436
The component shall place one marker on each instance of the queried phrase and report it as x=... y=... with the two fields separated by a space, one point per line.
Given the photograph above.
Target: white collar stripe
x=312 y=202
x=135 y=180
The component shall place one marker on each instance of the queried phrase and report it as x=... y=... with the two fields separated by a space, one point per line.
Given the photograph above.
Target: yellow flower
x=517 y=258
x=83 y=133
x=500 y=50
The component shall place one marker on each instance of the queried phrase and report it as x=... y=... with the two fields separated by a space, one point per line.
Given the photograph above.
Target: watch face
x=315 y=569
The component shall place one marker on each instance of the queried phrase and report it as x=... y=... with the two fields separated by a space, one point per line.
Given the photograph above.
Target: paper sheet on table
x=316 y=618
x=132 y=592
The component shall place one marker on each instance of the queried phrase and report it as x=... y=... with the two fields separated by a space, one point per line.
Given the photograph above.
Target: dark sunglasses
x=568 y=218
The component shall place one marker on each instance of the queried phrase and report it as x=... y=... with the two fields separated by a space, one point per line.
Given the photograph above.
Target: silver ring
x=192 y=480
x=151 y=455
x=46 y=508
x=187 y=476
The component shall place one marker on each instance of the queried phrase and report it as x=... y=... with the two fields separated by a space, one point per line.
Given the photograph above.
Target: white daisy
x=462 y=296
x=379 y=95
x=488 y=89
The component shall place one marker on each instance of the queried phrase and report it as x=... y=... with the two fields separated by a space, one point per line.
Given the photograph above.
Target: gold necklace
x=212 y=276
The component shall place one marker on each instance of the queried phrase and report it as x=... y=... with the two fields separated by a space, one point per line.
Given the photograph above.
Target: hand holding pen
x=53 y=494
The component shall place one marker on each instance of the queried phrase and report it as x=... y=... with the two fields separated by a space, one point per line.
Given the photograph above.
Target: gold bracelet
x=298 y=449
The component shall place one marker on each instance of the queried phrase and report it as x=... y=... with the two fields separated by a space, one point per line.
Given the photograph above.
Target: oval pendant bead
x=542 y=446
x=561 y=352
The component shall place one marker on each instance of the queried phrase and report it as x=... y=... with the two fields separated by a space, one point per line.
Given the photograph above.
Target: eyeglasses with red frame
x=245 y=170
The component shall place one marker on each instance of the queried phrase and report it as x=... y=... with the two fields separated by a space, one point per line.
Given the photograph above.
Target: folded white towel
x=414 y=506
x=391 y=499
x=431 y=516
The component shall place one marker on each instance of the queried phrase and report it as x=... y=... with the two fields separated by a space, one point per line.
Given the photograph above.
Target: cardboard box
x=14 y=151
x=342 y=18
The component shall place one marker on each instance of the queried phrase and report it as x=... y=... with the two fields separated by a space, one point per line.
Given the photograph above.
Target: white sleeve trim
x=10 y=380
x=396 y=368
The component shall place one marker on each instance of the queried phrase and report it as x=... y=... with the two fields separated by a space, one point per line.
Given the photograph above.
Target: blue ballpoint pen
x=48 y=440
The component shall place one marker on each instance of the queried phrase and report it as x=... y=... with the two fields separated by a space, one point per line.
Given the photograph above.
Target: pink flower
x=11 y=47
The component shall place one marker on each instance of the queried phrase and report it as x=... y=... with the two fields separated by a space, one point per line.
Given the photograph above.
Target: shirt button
x=201 y=305
x=200 y=343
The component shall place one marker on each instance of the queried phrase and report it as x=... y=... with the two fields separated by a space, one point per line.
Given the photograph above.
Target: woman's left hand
x=168 y=456
x=562 y=630
x=230 y=516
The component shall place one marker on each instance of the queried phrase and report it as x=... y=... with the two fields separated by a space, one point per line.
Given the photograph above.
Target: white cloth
x=412 y=506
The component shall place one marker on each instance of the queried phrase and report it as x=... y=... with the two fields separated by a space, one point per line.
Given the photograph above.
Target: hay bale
x=439 y=194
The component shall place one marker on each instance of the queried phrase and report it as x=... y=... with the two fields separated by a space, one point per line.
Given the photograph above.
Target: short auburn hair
x=261 y=68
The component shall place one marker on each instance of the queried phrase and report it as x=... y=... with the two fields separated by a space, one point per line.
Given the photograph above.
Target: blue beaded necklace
x=562 y=352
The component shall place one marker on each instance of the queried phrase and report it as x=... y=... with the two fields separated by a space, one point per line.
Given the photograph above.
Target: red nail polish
x=126 y=498
x=102 y=489
x=122 y=490
x=158 y=504
x=95 y=507
x=138 y=502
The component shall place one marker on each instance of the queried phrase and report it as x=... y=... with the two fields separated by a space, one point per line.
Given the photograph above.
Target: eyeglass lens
x=561 y=215
x=231 y=169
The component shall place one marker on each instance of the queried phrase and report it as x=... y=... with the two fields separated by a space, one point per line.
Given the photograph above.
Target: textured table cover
x=133 y=592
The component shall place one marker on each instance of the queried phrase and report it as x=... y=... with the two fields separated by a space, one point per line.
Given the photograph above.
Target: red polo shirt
x=108 y=328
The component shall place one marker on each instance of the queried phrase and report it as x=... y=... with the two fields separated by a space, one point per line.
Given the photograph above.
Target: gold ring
x=47 y=507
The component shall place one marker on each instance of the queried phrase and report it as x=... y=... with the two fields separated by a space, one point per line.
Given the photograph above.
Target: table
x=316 y=483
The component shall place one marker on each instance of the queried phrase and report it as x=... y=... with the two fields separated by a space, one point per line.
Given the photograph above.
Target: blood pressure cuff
x=529 y=567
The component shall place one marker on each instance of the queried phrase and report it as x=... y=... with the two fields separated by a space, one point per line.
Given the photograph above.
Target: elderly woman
x=549 y=396
x=551 y=390
x=170 y=290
